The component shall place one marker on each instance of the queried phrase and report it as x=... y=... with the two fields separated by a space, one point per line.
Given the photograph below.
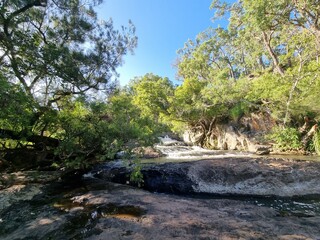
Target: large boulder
x=228 y=176
x=243 y=135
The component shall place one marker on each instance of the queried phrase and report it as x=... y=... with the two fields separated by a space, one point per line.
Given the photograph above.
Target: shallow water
x=302 y=207
x=299 y=207
x=194 y=153
x=176 y=151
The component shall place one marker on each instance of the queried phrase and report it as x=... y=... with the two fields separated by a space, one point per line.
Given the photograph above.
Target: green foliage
x=316 y=142
x=239 y=110
x=151 y=95
x=130 y=121
x=267 y=59
x=54 y=55
x=100 y=130
x=186 y=103
x=17 y=110
x=62 y=48
x=136 y=175
x=286 y=138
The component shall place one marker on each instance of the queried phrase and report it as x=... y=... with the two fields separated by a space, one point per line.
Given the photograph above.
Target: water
x=175 y=151
x=298 y=207
x=194 y=153
x=70 y=219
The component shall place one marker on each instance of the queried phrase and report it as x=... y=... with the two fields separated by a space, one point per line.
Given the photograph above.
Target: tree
x=53 y=56
x=266 y=59
x=151 y=94
x=51 y=49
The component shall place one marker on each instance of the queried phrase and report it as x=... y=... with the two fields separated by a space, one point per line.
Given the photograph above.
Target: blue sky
x=162 y=27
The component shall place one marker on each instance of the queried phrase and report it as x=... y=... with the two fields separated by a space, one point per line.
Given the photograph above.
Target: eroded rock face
x=228 y=176
x=242 y=135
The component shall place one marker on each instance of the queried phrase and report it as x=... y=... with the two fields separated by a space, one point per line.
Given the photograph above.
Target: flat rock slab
x=102 y=210
x=226 y=176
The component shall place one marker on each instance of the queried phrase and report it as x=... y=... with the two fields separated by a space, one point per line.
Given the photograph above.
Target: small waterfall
x=175 y=150
x=276 y=183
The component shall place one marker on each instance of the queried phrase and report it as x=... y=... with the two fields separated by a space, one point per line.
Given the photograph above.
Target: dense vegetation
x=58 y=92
x=267 y=59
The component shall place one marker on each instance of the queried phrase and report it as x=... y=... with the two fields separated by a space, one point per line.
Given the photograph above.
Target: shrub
x=286 y=138
x=316 y=142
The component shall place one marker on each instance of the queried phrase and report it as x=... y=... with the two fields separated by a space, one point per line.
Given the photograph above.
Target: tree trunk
x=306 y=139
x=266 y=41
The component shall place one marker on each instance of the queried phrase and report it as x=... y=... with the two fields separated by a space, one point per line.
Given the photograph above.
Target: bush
x=316 y=142
x=286 y=138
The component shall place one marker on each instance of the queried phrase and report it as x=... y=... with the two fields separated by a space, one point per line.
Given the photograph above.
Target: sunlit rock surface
x=243 y=134
x=95 y=209
x=226 y=176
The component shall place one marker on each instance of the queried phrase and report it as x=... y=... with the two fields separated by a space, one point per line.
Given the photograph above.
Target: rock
x=243 y=135
x=263 y=152
x=260 y=149
x=228 y=176
x=17 y=193
x=140 y=152
x=26 y=177
x=193 y=136
x=112 y=211
x=147 y=152
x=120 y=155
x=257 y=122
x=3 y=164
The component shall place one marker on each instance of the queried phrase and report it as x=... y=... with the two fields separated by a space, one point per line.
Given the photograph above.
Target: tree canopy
x=57 y=48
x=55 y=54
x=268 y=53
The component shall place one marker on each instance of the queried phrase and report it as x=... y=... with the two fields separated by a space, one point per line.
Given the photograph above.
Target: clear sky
x=162 y=27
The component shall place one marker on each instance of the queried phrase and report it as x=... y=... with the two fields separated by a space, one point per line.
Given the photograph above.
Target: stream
x=89 y=206
x=175 y=152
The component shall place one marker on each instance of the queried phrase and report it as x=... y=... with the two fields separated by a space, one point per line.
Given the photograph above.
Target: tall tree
x=52 y=49
x=151 y=94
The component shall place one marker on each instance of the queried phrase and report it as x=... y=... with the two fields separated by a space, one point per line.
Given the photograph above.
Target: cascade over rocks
x=243 y=135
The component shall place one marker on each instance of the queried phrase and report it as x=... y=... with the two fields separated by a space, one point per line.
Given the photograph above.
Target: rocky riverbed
x=54 y=207
x=95 y=209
